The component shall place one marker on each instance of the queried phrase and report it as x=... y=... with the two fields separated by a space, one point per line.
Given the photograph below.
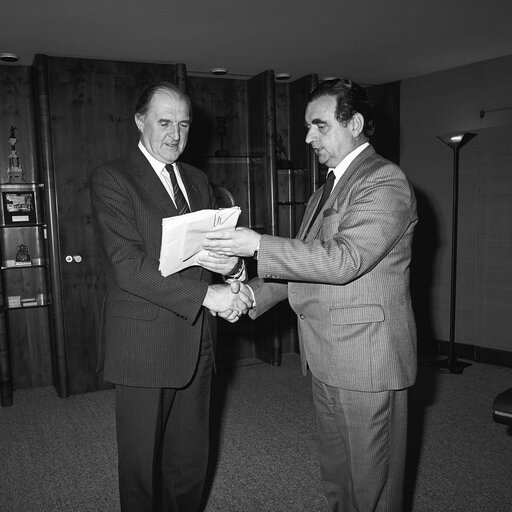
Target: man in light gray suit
x=346 y=276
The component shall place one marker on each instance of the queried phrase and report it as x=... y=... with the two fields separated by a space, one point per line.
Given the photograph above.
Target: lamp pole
x=452 y=365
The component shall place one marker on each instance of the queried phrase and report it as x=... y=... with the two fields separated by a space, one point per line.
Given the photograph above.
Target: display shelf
x=18 y=302
x=20 y=204
x=24 y=273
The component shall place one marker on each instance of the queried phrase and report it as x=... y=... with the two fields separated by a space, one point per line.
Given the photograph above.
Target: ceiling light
x=218 y=71
x=282 y=76
x=8 y=57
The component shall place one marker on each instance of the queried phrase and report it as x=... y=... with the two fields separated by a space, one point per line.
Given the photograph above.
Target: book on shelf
x=14 y=301
x=28 y=299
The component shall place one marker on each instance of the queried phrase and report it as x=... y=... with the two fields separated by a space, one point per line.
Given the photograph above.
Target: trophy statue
x=22 y=256
x=14 y=172
x=221 y=131
x=281 y=157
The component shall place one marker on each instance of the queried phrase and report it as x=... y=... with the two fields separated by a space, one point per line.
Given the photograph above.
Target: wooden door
x=92 y=108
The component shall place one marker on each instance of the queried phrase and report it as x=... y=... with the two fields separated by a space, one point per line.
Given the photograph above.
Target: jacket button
x=301 y=316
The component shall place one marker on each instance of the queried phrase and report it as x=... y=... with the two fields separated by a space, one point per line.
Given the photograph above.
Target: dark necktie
x=329 y=182
x=179 y=198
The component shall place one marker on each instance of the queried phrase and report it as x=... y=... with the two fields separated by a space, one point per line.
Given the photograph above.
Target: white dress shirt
x=340 y=169
x=163 y=174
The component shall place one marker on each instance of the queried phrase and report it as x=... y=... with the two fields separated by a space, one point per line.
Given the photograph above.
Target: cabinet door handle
x=76 y=258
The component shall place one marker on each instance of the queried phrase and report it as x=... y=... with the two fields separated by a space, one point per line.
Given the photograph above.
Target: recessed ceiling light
x=282 y=76
x=8 y=57
x=218 y=71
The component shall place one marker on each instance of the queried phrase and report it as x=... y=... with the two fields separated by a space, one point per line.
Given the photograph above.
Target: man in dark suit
x=157 y=329
x=347 y=278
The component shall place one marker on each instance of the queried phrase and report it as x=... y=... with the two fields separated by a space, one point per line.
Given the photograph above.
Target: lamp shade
x=456 y=140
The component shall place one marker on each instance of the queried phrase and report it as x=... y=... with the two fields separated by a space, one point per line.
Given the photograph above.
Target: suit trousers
x=362 y=447
x=163 y=443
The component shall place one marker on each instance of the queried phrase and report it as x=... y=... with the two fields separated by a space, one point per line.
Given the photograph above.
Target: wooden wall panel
x=386 y=139
x=92 y=121
x=282 y=100
x=31 y=352
x=301 y=155
x=212 y=98
x=17 y=109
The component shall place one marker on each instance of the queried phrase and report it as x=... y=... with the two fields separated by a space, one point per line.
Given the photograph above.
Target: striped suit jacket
x=152 y=324
x=347 y=279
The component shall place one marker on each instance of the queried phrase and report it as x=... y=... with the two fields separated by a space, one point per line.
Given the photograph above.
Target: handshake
x=229 y=301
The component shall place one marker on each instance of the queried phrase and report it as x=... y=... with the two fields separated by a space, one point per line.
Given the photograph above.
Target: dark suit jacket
x=348 y=279
x=152 y=324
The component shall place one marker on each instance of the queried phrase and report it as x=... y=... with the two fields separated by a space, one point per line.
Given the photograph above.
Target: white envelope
x=183 y=235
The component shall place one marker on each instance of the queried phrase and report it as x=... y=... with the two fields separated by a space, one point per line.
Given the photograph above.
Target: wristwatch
x=238 y=270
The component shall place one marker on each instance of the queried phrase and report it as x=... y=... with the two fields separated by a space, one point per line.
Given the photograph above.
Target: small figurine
x=22 y=256
x=221 y=132
x=14 y=172
x=281 y=156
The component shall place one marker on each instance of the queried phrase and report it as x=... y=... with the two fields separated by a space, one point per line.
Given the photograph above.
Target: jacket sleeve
x=266 y=295
x=125 y=247
x=380 y=209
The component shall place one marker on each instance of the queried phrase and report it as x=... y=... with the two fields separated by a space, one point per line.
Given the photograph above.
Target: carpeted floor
x=60 y=455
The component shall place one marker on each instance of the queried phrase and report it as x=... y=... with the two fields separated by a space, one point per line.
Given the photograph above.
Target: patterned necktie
x=329 y=182
x=179 y=198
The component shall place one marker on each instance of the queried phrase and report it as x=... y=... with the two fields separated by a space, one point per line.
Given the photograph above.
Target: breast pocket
x=331 y=224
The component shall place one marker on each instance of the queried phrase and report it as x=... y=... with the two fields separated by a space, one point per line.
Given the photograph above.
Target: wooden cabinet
x=24 y=359
x=86 y=117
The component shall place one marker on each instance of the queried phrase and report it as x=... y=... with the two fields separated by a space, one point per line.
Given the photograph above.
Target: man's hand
x=240 y=242
x=222 y=265
x=229 y=301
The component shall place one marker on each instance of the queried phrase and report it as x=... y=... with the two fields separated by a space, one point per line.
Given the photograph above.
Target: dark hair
x=145 y=97
x=350 y=99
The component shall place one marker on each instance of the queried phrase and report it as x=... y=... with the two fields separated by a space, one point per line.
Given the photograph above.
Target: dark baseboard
x=476 y=353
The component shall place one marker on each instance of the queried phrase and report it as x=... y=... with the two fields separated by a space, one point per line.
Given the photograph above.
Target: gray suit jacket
x=348 y=279
x=152 y=324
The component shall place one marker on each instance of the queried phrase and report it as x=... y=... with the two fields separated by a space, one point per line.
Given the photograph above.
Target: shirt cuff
x=238 y=273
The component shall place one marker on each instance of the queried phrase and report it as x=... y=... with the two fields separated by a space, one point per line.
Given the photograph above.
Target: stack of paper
x=183 y=235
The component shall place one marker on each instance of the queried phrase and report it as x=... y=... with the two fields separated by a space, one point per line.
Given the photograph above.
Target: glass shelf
x=23 y=225
x=24 y=267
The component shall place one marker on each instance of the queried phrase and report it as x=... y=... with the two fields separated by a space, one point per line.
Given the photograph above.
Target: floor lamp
x=456 y=142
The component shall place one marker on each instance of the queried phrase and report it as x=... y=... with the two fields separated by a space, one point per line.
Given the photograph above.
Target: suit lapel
x=148 y=181
x=340 y=190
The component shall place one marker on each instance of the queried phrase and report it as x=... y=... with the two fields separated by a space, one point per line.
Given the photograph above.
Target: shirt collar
x=156 y=164
x=340 y=169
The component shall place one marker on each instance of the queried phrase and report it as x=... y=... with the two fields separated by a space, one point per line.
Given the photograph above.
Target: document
x=183 y=235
